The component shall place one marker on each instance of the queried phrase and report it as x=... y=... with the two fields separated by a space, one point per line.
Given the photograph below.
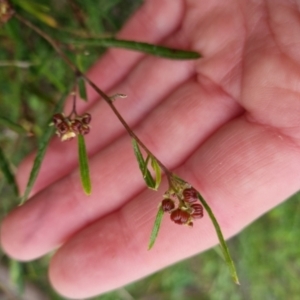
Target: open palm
x=227 y=123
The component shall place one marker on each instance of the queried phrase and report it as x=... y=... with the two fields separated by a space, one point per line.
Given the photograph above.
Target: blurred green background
x=32 y=79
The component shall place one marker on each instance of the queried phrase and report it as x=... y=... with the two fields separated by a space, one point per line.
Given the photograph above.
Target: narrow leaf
x=32 y=3
x=79 y=62
x=222 y=242
x=146 y=166
x=82 y=89
x=84 y=166
x=48 y=133
x=156 y=227
x=142 y=165
x=157 y=171
x=5 y=168
x=141 y=47
x=37 y=10
x=12 y=125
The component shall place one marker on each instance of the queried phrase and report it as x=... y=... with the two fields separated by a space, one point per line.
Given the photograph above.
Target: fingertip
x=19 y=232
x=10 y=243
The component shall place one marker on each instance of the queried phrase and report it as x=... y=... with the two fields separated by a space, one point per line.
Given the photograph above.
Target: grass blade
x=84 y=166
x=222 y=242
x=143 y=166
x=5 y=168
x=49 y=131
x=157 y=171
x=39 y=11
x=141 y=47
x=79 y=62
x=146 y=166
x=82 y=89
x=12 y=125
x=156 y=227
x=16 y=271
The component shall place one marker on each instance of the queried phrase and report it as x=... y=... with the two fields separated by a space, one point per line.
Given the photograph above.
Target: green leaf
x=82 y=88
x=79 y=62
x=146 y=166
x=141 y=47
x=157 y=171
x=32 y=3
x=222 y=242
x=84 y=166
x=156 y=227
x=48 y=133
x=38 y=10
x=142 y=165
x=16 y=272
x=12 y=125
x=5 y=168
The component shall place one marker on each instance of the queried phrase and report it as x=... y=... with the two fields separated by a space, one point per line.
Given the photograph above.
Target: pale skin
x=227 y=123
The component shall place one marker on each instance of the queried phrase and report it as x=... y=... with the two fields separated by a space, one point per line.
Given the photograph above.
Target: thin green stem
x=107 y=99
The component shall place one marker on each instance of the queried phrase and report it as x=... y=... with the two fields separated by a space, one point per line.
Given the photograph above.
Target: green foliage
x=155 y=230
x=84 y=166
x=139 y=46
x=82 y=89
x=5 y=122
x=5 y=168
x=16 y=269
x=157 y=170
x=223 y=245
x=48 y=134
x=143 y=165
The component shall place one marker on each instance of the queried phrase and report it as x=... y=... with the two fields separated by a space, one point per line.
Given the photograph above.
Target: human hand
x=227 y=123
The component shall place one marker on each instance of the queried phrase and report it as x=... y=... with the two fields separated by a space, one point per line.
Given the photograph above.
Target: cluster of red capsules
x=187 y=210
x=67 y=127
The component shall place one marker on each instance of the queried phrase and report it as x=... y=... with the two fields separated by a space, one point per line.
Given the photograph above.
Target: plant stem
x=107 y=99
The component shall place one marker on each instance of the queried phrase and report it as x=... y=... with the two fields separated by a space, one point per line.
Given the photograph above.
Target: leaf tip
x=88 y=192
x=236 y=280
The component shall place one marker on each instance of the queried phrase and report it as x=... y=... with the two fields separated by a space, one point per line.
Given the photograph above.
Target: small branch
x=107 y=99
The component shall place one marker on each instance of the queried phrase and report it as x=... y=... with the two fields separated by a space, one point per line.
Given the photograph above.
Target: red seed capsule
x=85 y=129
x=197 y=211
x=57 y=119
x=76 y=126
x=167 y=205
x=180 y=216
x=86 y=118
x=190 y=195
x=62 y=127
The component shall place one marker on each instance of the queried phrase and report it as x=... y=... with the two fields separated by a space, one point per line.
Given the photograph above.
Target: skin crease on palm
x=227 y=123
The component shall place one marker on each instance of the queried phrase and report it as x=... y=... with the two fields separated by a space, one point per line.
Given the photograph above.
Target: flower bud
x=86 y=118
x=62 y=127
x=197 y=212
x=57 y=119
x=167 y=205
x=85 y=129
x=190 y=195
x=180 y=216
x=76 y=126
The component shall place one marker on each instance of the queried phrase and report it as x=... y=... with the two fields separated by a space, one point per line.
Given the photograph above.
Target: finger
x=144 y=92
x=149 y=24
x=242 y=171
x=108 y=71
x=114 y=171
